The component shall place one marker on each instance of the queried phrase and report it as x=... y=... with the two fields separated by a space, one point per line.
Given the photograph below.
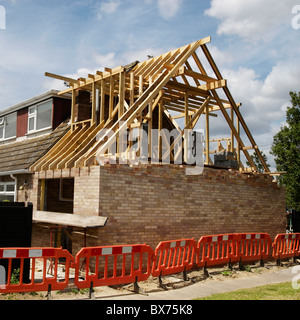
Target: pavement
x=204 y=289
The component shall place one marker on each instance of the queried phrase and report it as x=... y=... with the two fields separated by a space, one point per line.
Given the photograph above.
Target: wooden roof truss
x=175 y=83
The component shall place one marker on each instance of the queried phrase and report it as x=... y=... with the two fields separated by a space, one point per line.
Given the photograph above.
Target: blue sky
x=253 y=43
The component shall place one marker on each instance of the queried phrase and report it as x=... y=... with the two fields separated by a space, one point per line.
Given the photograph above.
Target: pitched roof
x=22 y=154
x=177 y=82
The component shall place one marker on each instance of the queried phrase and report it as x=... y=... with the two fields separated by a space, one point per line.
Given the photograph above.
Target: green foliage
x=257 y=161
x=286 y=149
x=15 y=276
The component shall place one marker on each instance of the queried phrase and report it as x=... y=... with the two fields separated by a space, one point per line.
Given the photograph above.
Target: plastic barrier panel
x=217 y=250
x=174 y=257
x=38 y=261
x=254 y=246
x=286 y=246
x=105 y=266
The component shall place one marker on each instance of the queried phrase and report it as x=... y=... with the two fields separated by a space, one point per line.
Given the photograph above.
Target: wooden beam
x=100 y=76
x=160 y=126
x=214 y=85
x=207 y=135
x=238 y=128
x=73 y=103
x=111 y=98
x=102 y=101
x=93 y=103
x=55 y=76
x=184 y=71
x=121 y=93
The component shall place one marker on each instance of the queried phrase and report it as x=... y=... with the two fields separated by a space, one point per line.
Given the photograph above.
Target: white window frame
x=34 y=116
x=5 y=192
x=3 y=125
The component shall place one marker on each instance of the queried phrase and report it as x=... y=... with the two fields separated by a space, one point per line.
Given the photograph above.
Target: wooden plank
x=121 y=93
x=86 y=82
x=186 y=109
x=183 y=87
x=111 y=98
x=83 y=147
x=93 y=120
x=102 y=100
x=132 y=87
x=60 y=160
x=207 y=135
x=195 y=75
x=67 y=79
x=160 y=126
x=73 y=103
x=37 y=166
x=55 y=156
x=214 y=85
x=74 y=152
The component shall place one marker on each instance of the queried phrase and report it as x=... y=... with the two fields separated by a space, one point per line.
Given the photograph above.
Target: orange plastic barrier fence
x=174 y=257
x=217 y=250
x=105 y=266
x=286 y=246
x=254 y=246
x=36 y=259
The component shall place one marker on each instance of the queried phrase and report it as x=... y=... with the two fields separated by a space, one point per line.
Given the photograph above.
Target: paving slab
x=204 y=289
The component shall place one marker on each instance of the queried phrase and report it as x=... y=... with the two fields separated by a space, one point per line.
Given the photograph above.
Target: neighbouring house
x=65 y=152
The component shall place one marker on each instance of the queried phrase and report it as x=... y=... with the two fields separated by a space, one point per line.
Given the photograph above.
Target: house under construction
x=75 y=187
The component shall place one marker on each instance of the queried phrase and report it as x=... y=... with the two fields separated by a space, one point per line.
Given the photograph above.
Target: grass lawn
x=282 y=291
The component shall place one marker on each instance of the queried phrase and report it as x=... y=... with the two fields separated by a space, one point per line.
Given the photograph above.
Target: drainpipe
x=16 y=186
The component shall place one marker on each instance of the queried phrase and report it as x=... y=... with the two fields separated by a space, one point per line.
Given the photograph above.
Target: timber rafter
x=159 y=91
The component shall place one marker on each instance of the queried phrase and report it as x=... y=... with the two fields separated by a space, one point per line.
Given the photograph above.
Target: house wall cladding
x=152 y=203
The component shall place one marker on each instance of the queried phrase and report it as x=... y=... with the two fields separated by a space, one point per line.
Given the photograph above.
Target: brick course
x=152 y=203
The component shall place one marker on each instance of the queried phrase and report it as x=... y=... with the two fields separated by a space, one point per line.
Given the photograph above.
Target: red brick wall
x=22 y=122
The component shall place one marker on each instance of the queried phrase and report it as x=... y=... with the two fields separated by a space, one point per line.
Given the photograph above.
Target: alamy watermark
x=296 y=18
x=164 y=147
x=2 y=18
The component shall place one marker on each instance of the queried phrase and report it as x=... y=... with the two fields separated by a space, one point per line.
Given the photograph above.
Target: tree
x=257 y=161
x=286 y=149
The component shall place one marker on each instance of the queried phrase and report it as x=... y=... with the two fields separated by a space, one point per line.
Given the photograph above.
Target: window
x=7 y=191
x=66 y=190
x=8 y=126
x=40 y=116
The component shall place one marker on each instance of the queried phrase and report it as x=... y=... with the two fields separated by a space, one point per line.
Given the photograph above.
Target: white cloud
x=107 y=7
x=251 y=20
x=105 y=60
x=264 y=100
x=169 y=8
